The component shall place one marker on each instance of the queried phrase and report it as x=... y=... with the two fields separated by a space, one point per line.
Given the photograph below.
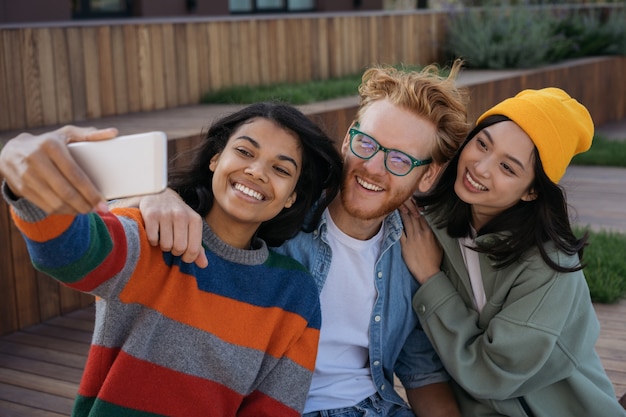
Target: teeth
x=367 y=185
x=474 y=183
x=249 y=192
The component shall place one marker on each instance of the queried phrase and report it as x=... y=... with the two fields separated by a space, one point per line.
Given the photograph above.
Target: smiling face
x=254 y=177
x=369 y=191
x=495 y=171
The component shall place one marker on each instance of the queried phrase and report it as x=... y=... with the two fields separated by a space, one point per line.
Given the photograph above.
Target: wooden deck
x=41 y=366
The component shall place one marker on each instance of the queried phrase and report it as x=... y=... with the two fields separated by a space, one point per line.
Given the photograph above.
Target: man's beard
x=363 y=213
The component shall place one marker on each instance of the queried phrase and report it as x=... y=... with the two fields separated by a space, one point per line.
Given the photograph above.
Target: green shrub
x=586 y=34
x=499 y=38
x=523 y=37
x=605 y=265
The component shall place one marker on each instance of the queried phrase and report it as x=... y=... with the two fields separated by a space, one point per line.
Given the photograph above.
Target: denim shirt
x=397 y=342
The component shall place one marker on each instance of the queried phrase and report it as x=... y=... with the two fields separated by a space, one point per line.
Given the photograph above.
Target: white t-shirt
x=342 y=376
x=472 y=264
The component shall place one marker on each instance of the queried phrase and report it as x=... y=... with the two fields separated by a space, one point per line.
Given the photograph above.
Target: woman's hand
x=41 y=169
x=420 y=249
x=173 y=226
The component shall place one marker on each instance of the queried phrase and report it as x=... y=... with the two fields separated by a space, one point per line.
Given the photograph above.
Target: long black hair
x=526 y=225
x=318 y=183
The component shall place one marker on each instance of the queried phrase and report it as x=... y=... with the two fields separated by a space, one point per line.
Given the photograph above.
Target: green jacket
x=531 y=347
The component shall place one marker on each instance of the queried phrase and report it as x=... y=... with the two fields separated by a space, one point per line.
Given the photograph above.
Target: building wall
x=34 y=10
x=23 y=11
x=148 y=8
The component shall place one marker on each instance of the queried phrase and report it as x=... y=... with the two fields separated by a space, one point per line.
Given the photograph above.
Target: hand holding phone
x=126 y=165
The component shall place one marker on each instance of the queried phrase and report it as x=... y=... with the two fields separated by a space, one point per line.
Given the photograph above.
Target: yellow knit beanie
x=559 y=126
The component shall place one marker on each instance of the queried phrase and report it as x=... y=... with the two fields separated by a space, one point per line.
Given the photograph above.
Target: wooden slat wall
x=54 y=75
x=593 y=82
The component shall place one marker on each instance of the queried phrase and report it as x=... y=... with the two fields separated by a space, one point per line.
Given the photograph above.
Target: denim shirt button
x=382 y=387
x=376 y=363
x=377 y=318
x=380 y=274
x=421 y=309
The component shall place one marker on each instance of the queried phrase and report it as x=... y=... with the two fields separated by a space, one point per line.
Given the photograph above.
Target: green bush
x=523 y=37
x=605 y=265
x=499 y=38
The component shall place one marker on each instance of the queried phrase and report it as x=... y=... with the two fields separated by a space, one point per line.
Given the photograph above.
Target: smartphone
x=126 y=165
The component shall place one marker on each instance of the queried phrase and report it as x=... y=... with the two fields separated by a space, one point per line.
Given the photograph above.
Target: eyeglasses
x=396 y=162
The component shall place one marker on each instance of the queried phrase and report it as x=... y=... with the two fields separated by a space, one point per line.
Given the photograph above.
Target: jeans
x=373 y=406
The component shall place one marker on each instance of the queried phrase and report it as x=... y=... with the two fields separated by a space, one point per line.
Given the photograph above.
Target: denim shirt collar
x=392 y=225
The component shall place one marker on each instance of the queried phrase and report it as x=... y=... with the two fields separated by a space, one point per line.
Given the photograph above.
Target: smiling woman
x=503 y=296
x=233 y=335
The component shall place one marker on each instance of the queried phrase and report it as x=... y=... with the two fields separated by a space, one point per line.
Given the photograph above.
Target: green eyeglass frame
x=414 y=162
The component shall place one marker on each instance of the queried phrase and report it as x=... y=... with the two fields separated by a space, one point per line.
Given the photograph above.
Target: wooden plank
x=38 y=383
x=248 y=52
x=71 y=322
x=59 y=357
x=62 y=76
x=204 y=39
x=105 y=61
x=5 y=120
x=14 y=79
x=169 y=65
x=11 y=409
x=158 y=71
x=92 y=72
x=76 y=66
x=63 y=333
x=69 y=299
x=45 y=61
x=215 y=64
x=25 y=283
x=193 y=66
x=118 y=62
x=133 y=68
x=86 y=314
x=280 y=52
x=48 y=296
x=36 y=399
x=181 y=48
x=32 y=80
x=8 y=307
x=146 y=82
x=265 y=57
x=41 y=368
x=47 y=342
x=236 y=44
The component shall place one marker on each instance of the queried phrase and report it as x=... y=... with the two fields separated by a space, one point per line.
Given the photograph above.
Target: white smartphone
x=126 y=165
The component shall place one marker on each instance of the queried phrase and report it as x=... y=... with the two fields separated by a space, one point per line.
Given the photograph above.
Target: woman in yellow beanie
x=503 y=297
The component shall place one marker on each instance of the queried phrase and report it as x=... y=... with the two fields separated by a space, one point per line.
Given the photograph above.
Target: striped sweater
x=238 y=338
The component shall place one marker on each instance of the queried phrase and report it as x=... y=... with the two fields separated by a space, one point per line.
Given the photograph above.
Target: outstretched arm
x=41 y=169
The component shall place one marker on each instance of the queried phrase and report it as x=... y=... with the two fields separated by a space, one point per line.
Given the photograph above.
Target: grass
x=605 y=268
x=603 y=152
x=302 y=93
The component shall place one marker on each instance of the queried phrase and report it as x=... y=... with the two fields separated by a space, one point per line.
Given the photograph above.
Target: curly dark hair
x=317 y=185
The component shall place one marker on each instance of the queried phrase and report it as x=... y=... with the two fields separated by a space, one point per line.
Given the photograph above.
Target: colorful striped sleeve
x=80 y=251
